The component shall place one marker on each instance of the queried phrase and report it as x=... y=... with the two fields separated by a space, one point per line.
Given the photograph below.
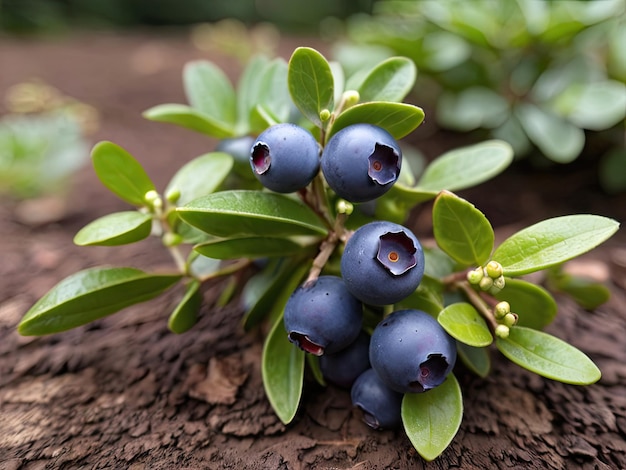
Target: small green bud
x=172 y=239
x=510 y=319
x=501 y=309
x=474 y=276
x=494 y=269
x=350 y=98
x=173 y=195
x=502 y=331
x=485 y=283
x=151 y=196
x=344 y=207
x=494 y=290
x=324 y=115
x=499 y=282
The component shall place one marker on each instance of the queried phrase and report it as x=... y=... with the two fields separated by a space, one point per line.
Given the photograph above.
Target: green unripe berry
x=350 y=98
x=344 y=207
x=502 y=331
x=173 y=195
x=501 y=309
x=510 y=319
x=499 y=282
x=494 y=269
x=485 y=283
x=324 y=115
x=494 y=290
x=172 y=239
x=474 y=276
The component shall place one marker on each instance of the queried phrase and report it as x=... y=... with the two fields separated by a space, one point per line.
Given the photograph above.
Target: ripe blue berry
x=285 y=158
x=361 y=162
x=380 y=404
x=343 y=367
x=411 y=352
x=382 y=263
x=322 y=316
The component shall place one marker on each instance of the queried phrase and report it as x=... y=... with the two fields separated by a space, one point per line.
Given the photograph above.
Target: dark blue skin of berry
x=380 y=404
x=411 y=352
x=322 y=316
x=361 y=162
x=285 y=158
x=343 y=367
x=382 y=263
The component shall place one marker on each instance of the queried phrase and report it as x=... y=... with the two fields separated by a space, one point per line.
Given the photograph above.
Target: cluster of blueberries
x=382 y=263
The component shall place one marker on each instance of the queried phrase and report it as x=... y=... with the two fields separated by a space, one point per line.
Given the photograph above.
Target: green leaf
x=310 y=82
x=552 y=241
x=588 y=293
x=249 y=247
x=185 y=315
x=471 y=108
x=89 y=295
x=461 y=230
x=466 y=167
x=273 y=92
x=114 y=229
x=475 y=359
x=121 y=173
x=399 y=119
x=209 y=90
x=189 y=118
x=464 y=323
x=248 y=90
x=557 y=139
x=548 y=356
x=283 y=373
x=534 y=305
x=427 y=297
x=432 y=419
x=251 y=213
x=201 y=176
x=391 y=80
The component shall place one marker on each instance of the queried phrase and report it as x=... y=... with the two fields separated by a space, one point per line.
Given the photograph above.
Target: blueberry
x=361 y=162
x=382 y=263
x=343 y=367
x=322 y=316
x=285 y=158
x=380 y=404
x=411 y=352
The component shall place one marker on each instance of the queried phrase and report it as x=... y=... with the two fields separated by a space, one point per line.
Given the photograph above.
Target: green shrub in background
x=537 y=74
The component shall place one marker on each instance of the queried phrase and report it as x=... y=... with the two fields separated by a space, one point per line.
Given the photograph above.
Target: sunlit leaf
x=391 y=80
x=114 y=229
x=89 y=295
x=310 y=82
x=121 y=173
x=432 y=419
x=251 y=213
x=552 y=242
x=209 y=90
x=283 y=372
x=463 y=322
x=461 y=230
x=548 y=356
x=189 y=118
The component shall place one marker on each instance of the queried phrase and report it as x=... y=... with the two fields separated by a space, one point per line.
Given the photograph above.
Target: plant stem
x=478 y=303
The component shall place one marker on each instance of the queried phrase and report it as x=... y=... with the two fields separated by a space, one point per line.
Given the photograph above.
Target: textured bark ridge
x=124 y=392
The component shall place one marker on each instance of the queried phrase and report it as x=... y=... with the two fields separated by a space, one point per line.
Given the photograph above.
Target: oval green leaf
x=121 y=173
x=189 y=118
x=250 y=247
x=251 y=213
x=463 y=322
x=115 y=229
x=200 y=176
x=282 y=367
x=461 y=230
x=548 y=356
x=552 y=241
x=399 y=119
x=432 y=419
x=588 y=293
x=185 y=315
x=209 y=90
x=475 y=359
x=310 y=82
x=391 y=80
x=248 y=90
x=466 y=167
x=534 y=305
x=557 y=139
x=89 y=295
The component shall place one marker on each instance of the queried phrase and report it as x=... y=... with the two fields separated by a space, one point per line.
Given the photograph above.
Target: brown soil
x=125 y=393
